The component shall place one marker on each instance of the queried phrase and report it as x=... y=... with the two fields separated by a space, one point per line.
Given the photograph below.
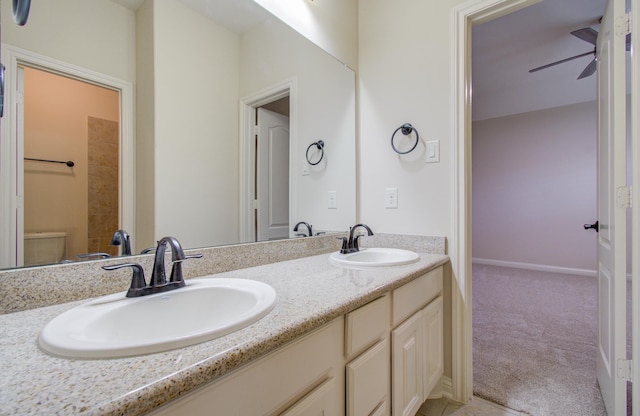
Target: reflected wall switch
x=332 y=200
x=391 y=198
x=433 y=151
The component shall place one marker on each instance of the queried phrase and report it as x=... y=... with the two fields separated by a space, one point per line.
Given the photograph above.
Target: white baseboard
x=447 y=387
x=536 y=267
x=443 y=389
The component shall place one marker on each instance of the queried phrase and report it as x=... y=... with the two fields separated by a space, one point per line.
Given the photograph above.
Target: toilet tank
x=44 y=247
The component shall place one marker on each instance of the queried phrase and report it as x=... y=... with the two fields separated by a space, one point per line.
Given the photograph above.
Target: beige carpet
x=534 y=336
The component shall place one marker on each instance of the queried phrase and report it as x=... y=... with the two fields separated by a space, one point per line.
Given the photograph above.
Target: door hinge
x=624 y=369
x=623 y=197
x=254 y=204
x=623 y=24
x=255 y=130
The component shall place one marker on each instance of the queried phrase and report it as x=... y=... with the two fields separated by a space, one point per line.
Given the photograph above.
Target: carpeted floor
x=534 y=341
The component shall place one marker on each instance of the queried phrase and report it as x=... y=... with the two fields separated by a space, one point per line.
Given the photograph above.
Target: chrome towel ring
x=320 y=146
x=406 y=129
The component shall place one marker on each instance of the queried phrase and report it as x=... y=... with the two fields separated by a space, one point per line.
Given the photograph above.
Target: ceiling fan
x=588 y=35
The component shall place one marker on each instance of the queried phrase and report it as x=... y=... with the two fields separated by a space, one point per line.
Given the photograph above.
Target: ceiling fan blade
x=589 y=70
x=559 y=62
x=586 y=34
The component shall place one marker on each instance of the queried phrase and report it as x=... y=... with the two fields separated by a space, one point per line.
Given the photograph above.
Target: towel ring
x=320 y=146
x=406 y=129
x=21 y=11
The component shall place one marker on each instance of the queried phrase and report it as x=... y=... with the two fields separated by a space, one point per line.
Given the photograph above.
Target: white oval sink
x=116 y=326
x=376 y=257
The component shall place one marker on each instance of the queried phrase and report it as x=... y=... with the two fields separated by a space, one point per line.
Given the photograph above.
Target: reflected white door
x=272 y=176
x=635 y=215
x=611 y=210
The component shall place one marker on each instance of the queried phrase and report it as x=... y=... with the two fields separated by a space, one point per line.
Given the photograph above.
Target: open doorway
x=71 y=167
x=272 y=170
x=534 y=187
x=612 y=208
x=119 y=124
x=268 y=128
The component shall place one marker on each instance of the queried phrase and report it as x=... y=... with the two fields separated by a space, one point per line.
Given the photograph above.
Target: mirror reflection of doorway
x=272 y=171
x=66 y=119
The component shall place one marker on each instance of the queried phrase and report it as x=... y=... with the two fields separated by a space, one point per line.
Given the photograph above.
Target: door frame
x=248 y=106
x=464 y=17
x=635 y=204
x=11 y=155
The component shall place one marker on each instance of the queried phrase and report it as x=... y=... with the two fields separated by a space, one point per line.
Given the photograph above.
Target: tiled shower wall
x=103 y=170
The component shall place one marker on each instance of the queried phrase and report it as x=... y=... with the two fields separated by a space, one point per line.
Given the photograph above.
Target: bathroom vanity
x=365 y=341
x=395 y=337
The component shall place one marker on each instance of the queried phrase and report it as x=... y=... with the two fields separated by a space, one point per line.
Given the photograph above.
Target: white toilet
x=44 y=248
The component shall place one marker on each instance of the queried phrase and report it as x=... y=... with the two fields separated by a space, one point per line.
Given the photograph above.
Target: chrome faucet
x=121 y=237
x=351 y=245
x=158 y=282
x=306 y=225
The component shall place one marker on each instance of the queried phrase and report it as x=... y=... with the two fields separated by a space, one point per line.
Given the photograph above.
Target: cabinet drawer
x=414 y=295
x=366 y=325
x=323 y=401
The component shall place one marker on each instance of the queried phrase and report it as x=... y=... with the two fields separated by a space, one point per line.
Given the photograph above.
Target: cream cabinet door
x=368 y=382
x=407 y=352
x=433 y=345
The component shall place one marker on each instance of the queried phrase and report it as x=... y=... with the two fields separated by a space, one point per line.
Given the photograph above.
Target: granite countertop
x=311 y=292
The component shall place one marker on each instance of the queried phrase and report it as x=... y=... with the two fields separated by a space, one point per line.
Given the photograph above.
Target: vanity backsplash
x=35 y=287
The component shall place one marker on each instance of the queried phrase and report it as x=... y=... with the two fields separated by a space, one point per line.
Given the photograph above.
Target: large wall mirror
x=198 y=119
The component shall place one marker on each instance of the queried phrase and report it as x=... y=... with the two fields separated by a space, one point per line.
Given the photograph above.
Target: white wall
x=107 y=44
x=196 y=164
x=144 y=234
x=405 y=76
x=534 y=186
x=331 y=24
x=274 y=53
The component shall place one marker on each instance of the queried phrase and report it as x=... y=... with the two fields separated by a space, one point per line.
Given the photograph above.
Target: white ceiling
x=505 y=49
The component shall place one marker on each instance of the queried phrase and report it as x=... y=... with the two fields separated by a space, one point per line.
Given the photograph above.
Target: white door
x=272 y=176
x=635 y=221
x=611 y=209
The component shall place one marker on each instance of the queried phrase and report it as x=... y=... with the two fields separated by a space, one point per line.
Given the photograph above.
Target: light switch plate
x=433 y=151
x=332 y=201
x=391 y=198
